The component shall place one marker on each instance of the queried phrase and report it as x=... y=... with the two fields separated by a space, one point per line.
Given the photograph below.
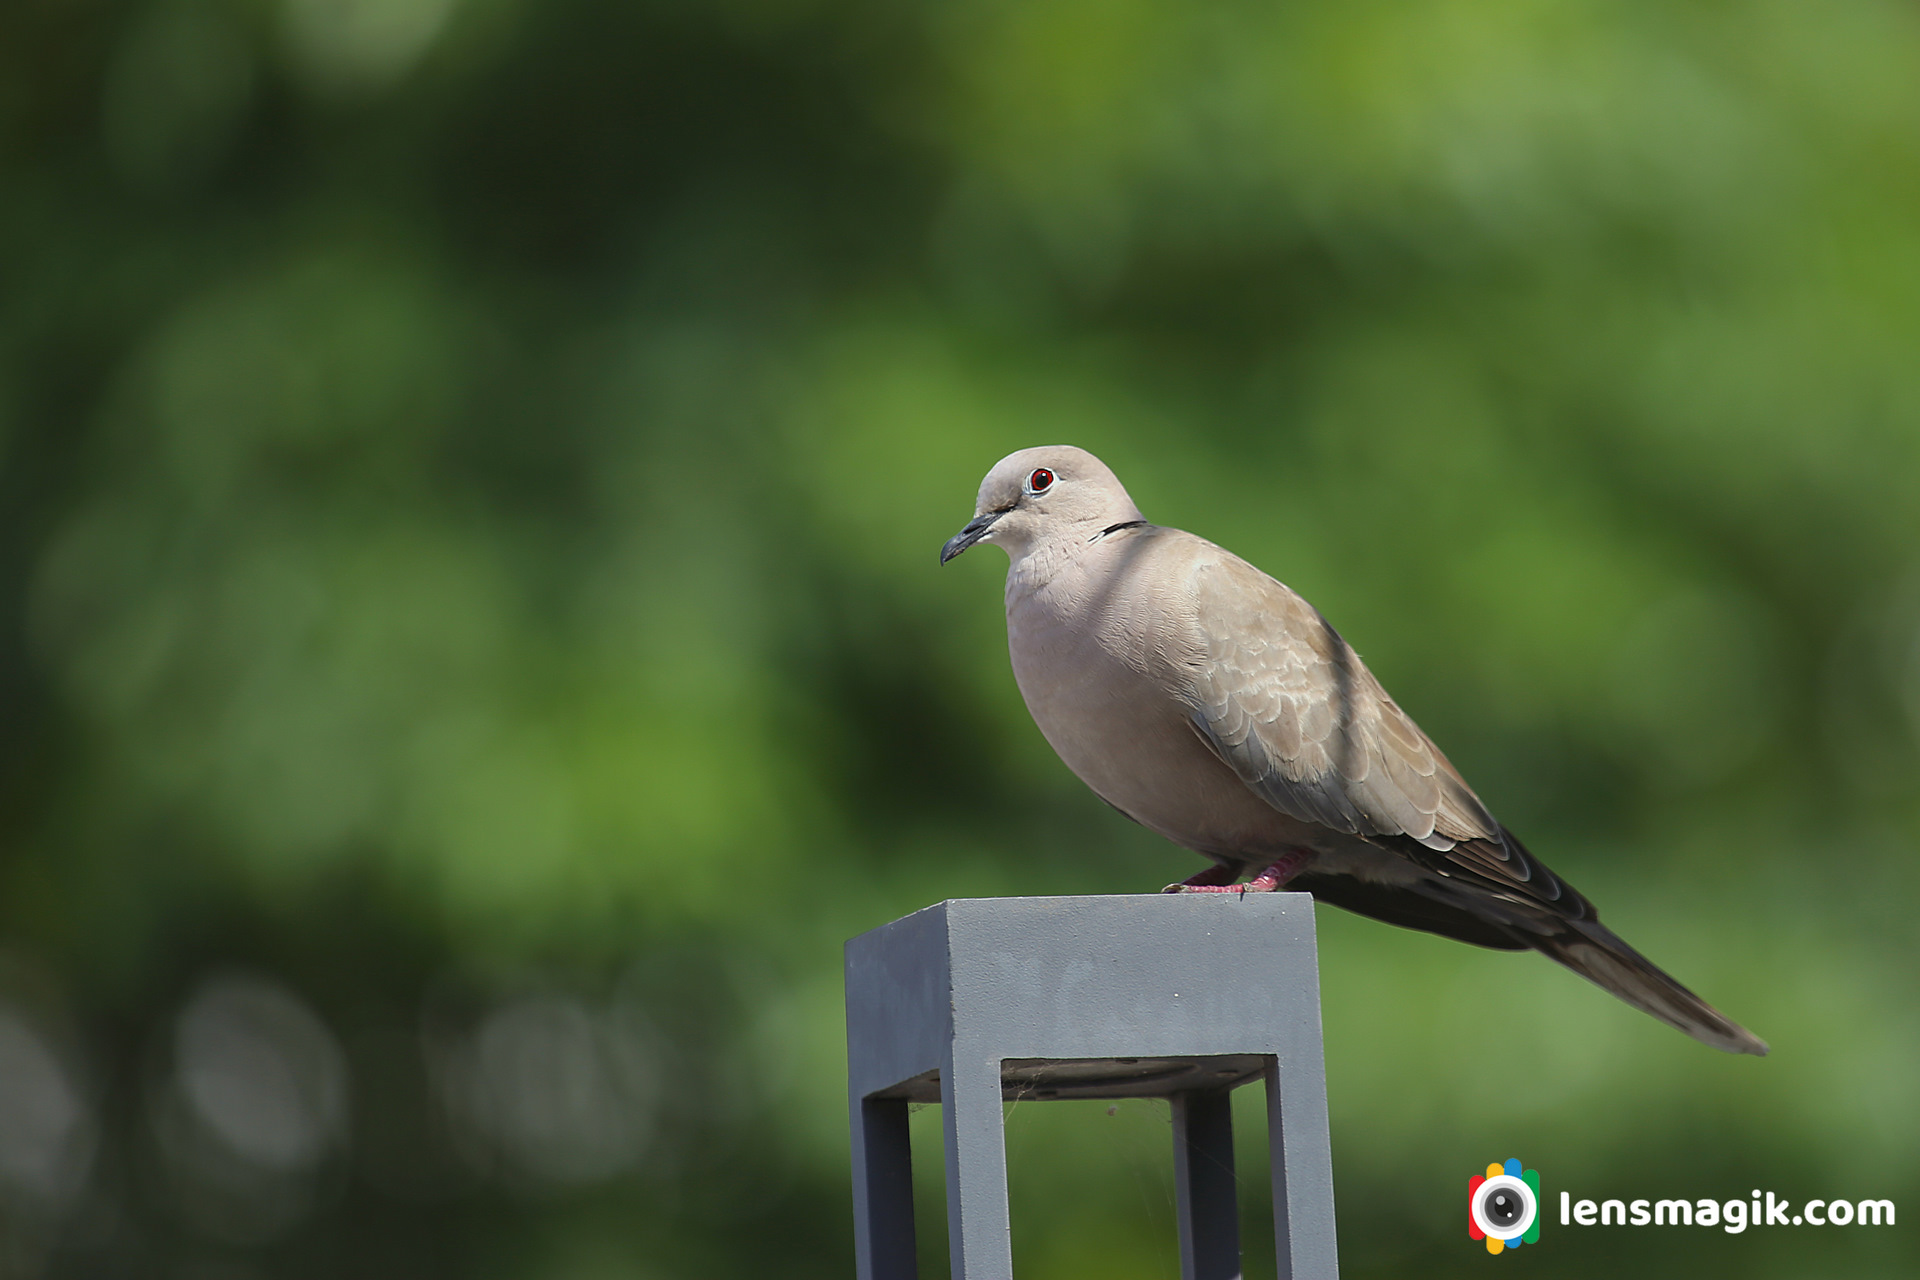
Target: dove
x=1213 y=705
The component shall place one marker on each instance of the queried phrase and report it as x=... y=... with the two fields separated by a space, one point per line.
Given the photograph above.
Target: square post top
x=1134 y=976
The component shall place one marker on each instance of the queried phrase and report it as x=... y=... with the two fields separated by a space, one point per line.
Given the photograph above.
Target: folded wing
x=1291 y=709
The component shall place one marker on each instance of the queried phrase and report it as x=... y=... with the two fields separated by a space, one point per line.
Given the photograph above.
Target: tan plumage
x=1214 y=705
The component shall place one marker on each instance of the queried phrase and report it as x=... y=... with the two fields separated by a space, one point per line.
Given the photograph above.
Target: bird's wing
x=1290 y=708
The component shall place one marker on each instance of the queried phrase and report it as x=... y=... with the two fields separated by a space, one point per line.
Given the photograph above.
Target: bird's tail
x=1597 y=954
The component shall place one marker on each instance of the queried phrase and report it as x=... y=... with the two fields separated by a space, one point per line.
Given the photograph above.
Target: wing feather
x=1289 y=706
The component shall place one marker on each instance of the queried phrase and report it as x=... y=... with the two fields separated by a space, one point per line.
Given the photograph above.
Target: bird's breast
x=1103 y=681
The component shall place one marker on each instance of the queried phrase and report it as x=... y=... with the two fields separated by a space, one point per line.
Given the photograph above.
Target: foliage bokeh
x=472 y=647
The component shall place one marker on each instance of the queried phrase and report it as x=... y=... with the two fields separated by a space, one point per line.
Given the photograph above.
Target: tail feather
x=1598 y=954
x=1457 y=901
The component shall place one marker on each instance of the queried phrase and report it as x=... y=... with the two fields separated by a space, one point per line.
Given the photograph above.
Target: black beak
x=976 y=529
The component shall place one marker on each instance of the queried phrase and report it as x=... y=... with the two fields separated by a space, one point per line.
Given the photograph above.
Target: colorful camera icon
x=1503 y=1206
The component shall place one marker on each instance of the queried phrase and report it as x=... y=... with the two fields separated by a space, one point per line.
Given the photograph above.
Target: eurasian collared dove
x=1208 y=702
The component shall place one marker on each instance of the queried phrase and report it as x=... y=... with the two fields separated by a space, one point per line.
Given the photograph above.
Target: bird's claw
x=1217 y=879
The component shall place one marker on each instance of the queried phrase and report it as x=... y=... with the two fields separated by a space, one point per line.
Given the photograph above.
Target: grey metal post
x=1184 y=997
x=979 y=1229
x=884 y=1242
x=1302 y=1174
x=1203 y=1177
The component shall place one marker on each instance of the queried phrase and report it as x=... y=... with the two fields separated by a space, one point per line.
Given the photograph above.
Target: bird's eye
x=1040 y=481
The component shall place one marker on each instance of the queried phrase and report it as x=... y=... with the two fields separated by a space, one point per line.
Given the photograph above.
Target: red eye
x=1040 y=481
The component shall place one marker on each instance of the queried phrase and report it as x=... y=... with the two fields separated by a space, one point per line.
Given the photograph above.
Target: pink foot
x=1215 y=879
x=1218 y=879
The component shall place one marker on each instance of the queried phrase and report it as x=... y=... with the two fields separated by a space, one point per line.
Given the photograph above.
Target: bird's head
x=1054 y=492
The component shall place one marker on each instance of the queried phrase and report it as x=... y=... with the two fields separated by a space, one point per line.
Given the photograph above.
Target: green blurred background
x=471 y=647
